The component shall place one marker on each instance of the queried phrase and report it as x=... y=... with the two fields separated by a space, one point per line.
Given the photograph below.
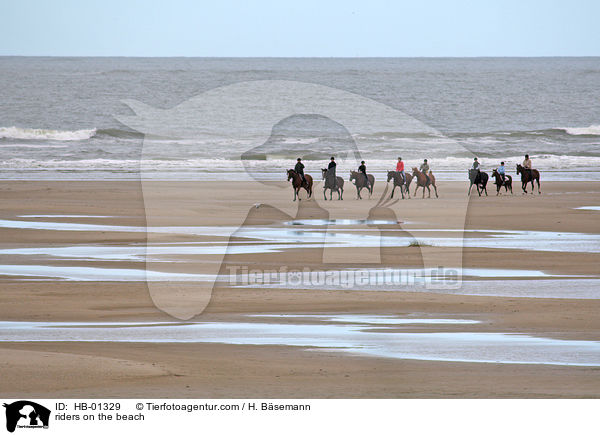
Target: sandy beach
x=505 y=233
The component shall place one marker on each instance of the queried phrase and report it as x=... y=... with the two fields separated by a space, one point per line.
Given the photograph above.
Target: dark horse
x=528 y=176
x=297 y=183
x=360 y=182
x=338 y=187
x=398 y=181
x=479 y=179
x=423 y=182
x=507 y=182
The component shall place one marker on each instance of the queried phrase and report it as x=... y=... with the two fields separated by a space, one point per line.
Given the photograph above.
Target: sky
x=304 y=28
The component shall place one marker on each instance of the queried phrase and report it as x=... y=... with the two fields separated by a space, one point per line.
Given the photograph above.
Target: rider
x=475 y=164
x=331 y=172
x=425 y=170
x=363 y=169
x=400 y=169
x=502 y=172
x=527 y=164
x=300 y=169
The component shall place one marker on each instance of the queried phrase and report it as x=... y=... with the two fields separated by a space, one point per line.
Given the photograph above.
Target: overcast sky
x=300 y=28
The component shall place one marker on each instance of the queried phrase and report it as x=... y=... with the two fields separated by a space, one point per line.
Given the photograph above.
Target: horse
x=424 y=183
x=360 y=182
x=507 y=182
x=339 y=185
x=479 y=179
x=297 y=183
x=398 y=181
x=528 y=176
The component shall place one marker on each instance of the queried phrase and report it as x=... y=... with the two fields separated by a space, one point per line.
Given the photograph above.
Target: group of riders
x=501 y=170
x=474 y=173
x=362 y=169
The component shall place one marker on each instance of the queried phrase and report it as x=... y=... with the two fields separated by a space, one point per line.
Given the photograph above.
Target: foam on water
x=41 y=134
x=592 y=130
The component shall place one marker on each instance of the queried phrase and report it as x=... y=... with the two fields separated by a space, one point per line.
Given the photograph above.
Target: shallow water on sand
x=297 y=238
x=358 y=334
x=590 y=207
x=70 y=273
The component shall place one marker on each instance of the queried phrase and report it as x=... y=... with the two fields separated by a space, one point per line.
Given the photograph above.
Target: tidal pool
x=298 y=238
x=376 y=336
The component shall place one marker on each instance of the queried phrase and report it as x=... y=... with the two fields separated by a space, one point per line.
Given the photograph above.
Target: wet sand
x=227 y=370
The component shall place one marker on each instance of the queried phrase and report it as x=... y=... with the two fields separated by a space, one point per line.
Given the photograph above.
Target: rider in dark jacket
x=363 y=169
x=331 y=172
x=299 y=168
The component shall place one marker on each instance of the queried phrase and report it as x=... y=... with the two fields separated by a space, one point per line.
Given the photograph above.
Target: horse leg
x=295 y=193
x=436 y=194
x=401 y=191
x=324 y=197
x=469 y=192
x=485 y=187
x=539 y=191
x=394 y=188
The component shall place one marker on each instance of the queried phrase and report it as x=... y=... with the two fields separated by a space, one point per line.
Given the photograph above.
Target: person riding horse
x=299 y=168
x=363 y=170
x=528 y=165
x=502 y=172
x=475 y=164
x=331 y=173
x=425 y=170
x=400 y=169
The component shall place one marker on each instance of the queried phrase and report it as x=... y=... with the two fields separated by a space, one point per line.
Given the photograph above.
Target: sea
x=63 y=117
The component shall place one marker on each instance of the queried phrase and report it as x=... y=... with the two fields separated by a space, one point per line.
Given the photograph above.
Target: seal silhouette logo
x=26 y=414
x=253 y=114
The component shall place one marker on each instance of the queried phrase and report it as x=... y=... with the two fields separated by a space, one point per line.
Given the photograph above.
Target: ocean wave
x=543 y=162
x=592 y=130
x=115 y=132
x=43 y=134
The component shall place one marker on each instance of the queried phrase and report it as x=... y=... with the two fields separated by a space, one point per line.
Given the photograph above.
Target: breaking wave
x=43 y=134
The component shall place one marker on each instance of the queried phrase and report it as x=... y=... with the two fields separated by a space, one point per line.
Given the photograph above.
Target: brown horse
x=398 y=181
x=338 y=186
x=360 y=182
x=423 y=182
x=528 y=176
x=297 y=183
x=507 y=182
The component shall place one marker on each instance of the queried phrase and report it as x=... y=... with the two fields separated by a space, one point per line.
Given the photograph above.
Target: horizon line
x=304 y=57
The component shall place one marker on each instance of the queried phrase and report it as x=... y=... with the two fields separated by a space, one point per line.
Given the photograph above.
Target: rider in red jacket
x=400 y=168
